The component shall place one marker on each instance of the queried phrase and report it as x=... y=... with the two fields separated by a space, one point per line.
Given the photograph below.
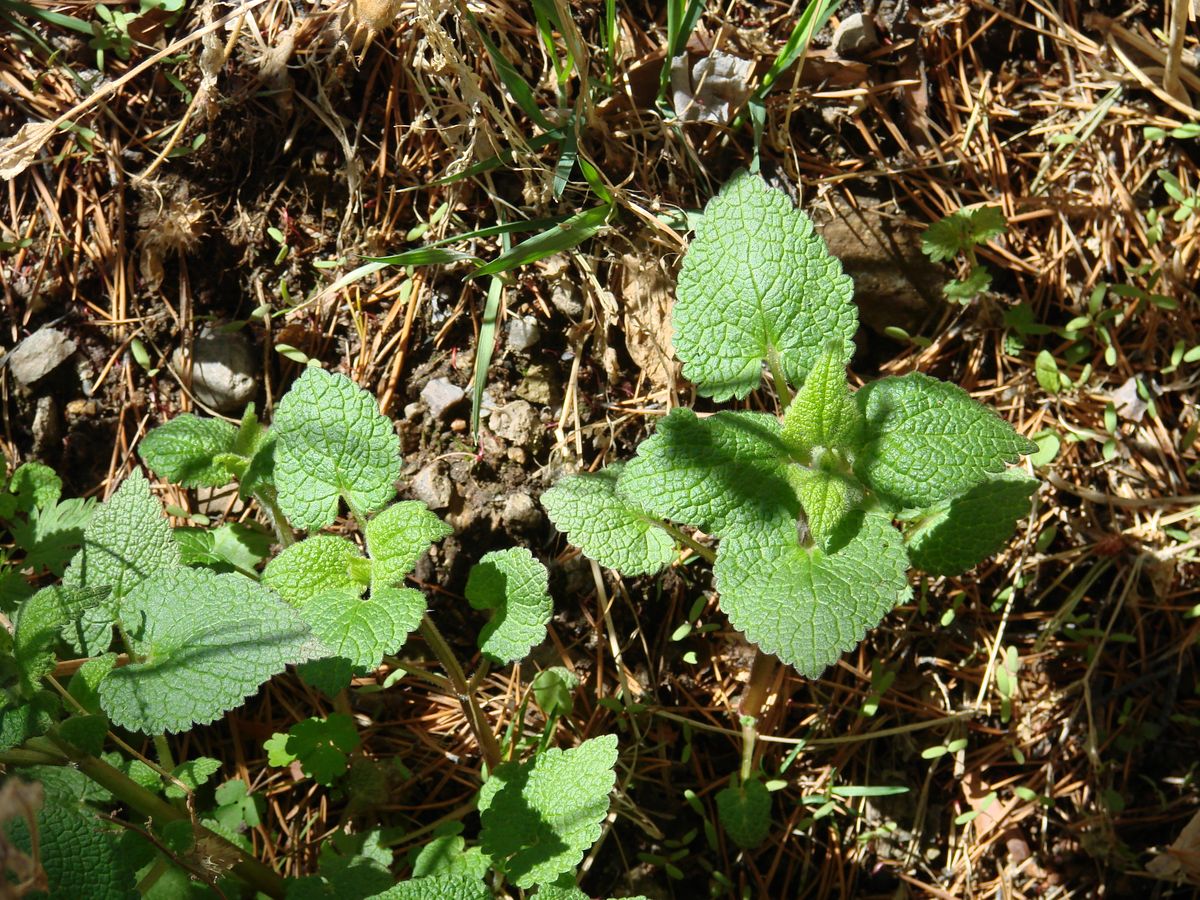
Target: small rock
x=517 y=455
x=223 y=370
x=458 y=426
x=412 y=410
x=855 y=36
x=523 y=333
x=564 y=294
x=47 y=428
x=39 y=354
x=521 y=513
x=432 y=487
x=440 y=395
x=516 y=422
x=538 y=386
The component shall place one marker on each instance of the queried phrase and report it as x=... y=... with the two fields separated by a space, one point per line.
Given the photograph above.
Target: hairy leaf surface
x=540 y=817
x=515 y=586
x=364 y=630
x=331 y=442
x=807 y=606
x=927 y=440
x=826 y=497
x=757 y=278
x=398 y=537
x=609 y=529
x=183 y=450
x=823 y=412
x=205 y=643
x=312 y=567
x=723 y=473
x=961 y=533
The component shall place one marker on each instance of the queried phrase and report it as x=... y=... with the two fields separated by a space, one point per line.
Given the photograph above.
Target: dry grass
x=334 y=127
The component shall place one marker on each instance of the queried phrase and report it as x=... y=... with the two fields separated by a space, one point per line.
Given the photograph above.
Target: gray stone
x=539 y=386
x=564 y=294
x=523 y=333
x=441 y=396
x=855 y=36
x=520 y=513
x=432 y=487
x=516 y=422
x=224 y=370
x=39 y=355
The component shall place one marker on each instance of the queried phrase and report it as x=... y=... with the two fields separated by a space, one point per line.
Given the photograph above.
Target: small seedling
x=959 y=234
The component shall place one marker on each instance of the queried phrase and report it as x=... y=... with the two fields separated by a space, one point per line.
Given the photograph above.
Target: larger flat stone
x=39 y=355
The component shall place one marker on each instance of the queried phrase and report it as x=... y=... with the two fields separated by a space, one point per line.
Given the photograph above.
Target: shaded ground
x=301 y=125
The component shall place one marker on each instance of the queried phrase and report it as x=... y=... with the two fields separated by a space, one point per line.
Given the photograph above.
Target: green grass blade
x=48 y=16
x=489 y=164
x=570 y=233
x=682 y=16
x=513 y=81
x=566 y=160
x=812 y=20
x=422 y=256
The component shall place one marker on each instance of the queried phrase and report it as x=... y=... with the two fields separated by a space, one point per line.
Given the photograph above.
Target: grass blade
x=567 y=234
x=487 y=341
x=513 y=81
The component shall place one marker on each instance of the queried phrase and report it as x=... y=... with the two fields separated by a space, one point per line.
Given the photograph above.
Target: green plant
x=198 y=629
x=806 y=505
x=959 y=234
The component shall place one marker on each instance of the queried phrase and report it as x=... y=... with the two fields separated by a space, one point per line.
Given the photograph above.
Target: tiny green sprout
x=960 y=233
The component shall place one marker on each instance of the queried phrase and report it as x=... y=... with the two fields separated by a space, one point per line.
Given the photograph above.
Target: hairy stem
x=488 y=744
x=699 y=549
x=283 y=529
x=775 y=364
x=136 y=797
x=762 y=674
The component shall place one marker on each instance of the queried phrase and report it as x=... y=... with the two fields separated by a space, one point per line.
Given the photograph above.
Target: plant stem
x=700 y=550
x=283 y=530
x=254 y=873
x=762 y=674
x=488 y=745
x=163 y=749
x=775 y=364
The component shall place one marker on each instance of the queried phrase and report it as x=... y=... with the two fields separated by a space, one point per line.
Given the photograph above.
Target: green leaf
x=361 y=630
x=30 y=719
x=331 y=442
x=323 y=746
x=86 y=681
x=756 y=279
x=745 y=813
x=398 y=537
x=554 y=688
x=443 y=887
x=927 y=440
x=540 y=817
x=224 y=548
x=961 y=533
x=278 y=754
x=85 y=732
x=182 y=451
x=312 y=567
x=961 y=230
x=611 y=531
x=52 y=533
x=563 y=236
x=204 y=643
x=193 y=773
x=127 y=540
x=448 y=854
x=722 y=473
x=39 y=626
x=1046 y=369
x=807 y=606
x=35 y=485
x=515 y=586
x=977 y=281
x=823 y=412
x=81 y=856
x=826 y=498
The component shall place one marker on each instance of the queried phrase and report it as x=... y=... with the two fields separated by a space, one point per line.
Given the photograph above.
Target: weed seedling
x=820 y=512
x=959 y=234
